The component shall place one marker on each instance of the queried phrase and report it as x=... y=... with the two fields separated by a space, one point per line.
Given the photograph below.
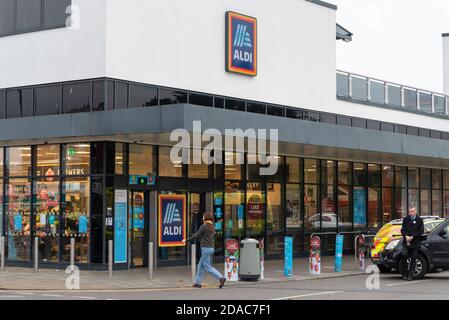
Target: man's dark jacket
x=413 y=228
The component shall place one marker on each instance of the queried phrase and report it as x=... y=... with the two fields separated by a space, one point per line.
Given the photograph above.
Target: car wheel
x=383 y=269
x=421 y=266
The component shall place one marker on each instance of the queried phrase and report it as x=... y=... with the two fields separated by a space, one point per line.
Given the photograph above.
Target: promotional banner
x=120 y=226
x=315 y=256
x=172 y=220
x=288 y=256
x=232 y=259
x=359 y=207
x=339 y=253
x=18 y=222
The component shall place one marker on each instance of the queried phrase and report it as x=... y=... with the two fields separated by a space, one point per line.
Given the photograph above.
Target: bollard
x=72 y=252
x=36 y=254
x=2 y=252
x=193 y=262
x=110 y=246
x=150 y=261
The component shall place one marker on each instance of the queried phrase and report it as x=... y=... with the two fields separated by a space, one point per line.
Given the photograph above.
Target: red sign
x=232 y=246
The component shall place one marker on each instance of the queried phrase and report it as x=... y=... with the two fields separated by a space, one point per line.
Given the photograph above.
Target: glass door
x=138 y=228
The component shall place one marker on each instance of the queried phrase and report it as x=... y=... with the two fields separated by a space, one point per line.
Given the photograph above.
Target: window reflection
x=234 y=210
x=48 y=163
x=167 y=167
x=275 y=219
x=18 y=161
x=140 y=160
x=255 y=214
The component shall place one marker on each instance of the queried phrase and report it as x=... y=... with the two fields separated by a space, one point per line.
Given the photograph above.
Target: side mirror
x=423 y=237
x=443 y=234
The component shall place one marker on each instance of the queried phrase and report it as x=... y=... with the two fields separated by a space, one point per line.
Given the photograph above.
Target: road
x=433 y=286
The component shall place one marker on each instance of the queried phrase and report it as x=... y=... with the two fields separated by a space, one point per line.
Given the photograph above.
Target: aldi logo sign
x=241 y=44
x=172 y=220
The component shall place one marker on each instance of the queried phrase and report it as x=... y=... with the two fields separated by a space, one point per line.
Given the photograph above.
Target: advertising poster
x=218 y=199
x=262 y=258
x=120 y=226
x=288 y=256
x=172 y=220
x=138 y=219
x=359 y=207
x=339 y=253
x=231 y=260
x=18 y=222
x=315 y=256
x=82 y=224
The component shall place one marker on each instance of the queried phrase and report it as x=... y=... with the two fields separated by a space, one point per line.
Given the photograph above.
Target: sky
x=395 y=40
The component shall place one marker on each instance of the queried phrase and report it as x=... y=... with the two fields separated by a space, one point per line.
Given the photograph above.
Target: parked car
x=433 y=255
x=392 y=232
x=327 y=221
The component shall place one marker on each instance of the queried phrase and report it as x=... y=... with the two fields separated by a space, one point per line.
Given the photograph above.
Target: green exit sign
x=71 y=152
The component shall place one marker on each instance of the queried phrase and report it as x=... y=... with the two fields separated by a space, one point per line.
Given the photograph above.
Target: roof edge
x=324 y=4
x=445 y=35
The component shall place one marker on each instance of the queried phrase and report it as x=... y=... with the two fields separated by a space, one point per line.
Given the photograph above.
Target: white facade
x=446 y=63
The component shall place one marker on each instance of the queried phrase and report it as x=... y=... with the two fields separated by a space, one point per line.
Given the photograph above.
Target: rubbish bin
x=249 y=269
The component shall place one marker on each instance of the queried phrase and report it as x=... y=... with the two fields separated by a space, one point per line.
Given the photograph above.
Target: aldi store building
x=85 y=134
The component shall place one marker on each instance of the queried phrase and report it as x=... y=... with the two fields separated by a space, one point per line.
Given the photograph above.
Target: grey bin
x=249 y=269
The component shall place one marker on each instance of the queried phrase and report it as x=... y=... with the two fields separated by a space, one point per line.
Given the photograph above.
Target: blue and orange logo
x=241 y=44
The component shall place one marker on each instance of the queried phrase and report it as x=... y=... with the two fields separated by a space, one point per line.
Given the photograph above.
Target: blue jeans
x=205 y=265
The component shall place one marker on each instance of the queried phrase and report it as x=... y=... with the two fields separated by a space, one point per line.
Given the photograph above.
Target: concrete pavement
x=164 y=278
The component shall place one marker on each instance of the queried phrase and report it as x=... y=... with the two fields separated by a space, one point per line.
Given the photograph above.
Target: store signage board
x=241 y=44
x=172 y=220
x=142 y=180
x=120 y=226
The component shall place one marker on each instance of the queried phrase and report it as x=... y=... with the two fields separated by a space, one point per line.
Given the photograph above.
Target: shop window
x=344 y=173
x=28 y=15
x=401 y=203
x=201 y=99
x=168 y=96
x=76 y=97
x=359 y=174
x=55 y=13
x=142 y=96
x=387 y=176
x=413 y=199
x=97 y=220
x=293 y=217
x=373 y=208
x=255 y=210
x=253 y=167
x=327 y=172
x=425 y=178
x=256 y=108
x=437 y=199
x=167 y=167
x=425 y=201
x=344 y=211
x=48 y=163
x=401 y=177
x=76 y=217
x=238 y=105
x=233 y=165
x=17 y=240
x=19 y=103
x=387 y=204
x=77 y=159
x=121 y=95
x=234 y=210
x=292 y=166
x=18 y=161
x=99 y=95
x=120 y=158
x=7 y=17
x=446 y=179
x=312 y=218
x=46 y=217
x=201 y=170
x=47 y=100
x=310 y=171
x=97 y=157
x=436 y=178
x=413 y=177
x=328 y=209
x=374 y=175
x=140 y=160
x=275 y=219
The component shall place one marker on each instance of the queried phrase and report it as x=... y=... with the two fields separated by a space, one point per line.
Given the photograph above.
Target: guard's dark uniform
x=412 y=227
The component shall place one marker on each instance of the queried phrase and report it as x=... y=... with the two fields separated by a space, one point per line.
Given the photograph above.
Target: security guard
x=412 y=230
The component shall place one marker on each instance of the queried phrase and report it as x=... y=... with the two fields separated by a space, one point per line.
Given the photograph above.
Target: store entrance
x=138 y=217
x=198 y=205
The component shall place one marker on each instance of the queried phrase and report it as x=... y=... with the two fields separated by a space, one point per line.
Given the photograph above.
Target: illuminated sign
x=172 y=220
x=241 y=44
